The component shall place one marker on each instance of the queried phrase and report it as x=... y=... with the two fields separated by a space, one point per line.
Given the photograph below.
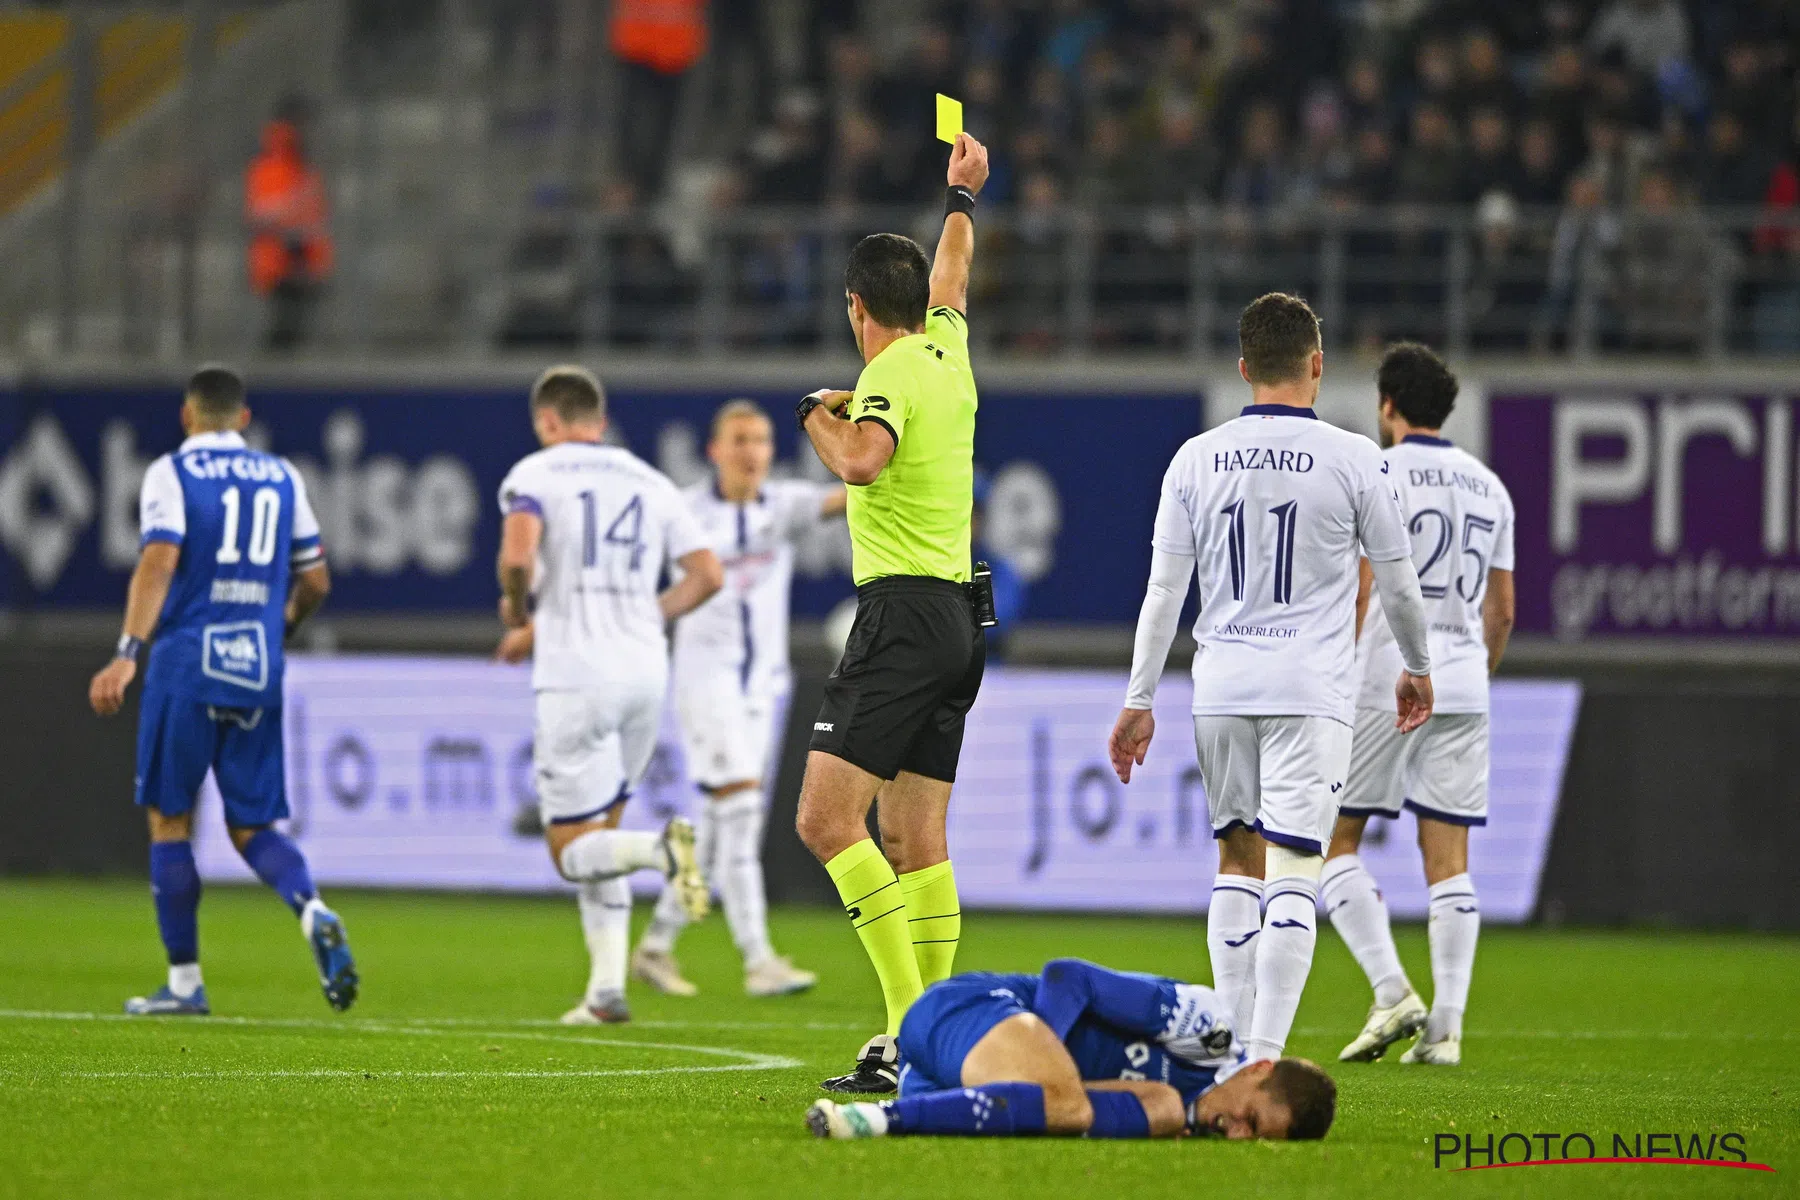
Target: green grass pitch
x=449 y=1079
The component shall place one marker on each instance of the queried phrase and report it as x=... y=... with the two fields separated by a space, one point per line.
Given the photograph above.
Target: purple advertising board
x=1651 y=514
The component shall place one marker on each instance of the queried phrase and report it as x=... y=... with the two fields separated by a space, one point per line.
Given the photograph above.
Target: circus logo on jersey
x=236 y=652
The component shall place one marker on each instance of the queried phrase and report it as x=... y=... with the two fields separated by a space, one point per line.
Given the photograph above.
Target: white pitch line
x=1596 y=1034
x=751 y=1060
x=433 y=1022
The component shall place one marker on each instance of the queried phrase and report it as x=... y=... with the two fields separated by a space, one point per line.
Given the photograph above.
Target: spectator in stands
x=1033 y=257
x=1182 y=167
x=1435 y=73
x=1366 y=98
x=1324 y=161
x=1541 y=171
x=1760 y=96
x=1649 y=33
x=1484 y=82
x=1430 y=170
x=1669 y=265
x=1490 y=166
x=290 y=253
x=1260 y=178
x=1372 y=172
x=656 y=42
x=1585 y=235
x=1561 y=96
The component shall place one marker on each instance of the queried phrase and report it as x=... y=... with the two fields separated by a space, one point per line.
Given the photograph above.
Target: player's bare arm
x=956 y=245
x=701 y=575
x=1157 y=620
x=305 y=595
x=855 y=451
x=1365 y=584
x=834 y=503
x=520 y=534
x=1497 y=616
x=143 y=602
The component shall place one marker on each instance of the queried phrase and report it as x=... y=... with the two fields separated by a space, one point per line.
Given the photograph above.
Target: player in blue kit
x=1083 y=1051
x=230 y=564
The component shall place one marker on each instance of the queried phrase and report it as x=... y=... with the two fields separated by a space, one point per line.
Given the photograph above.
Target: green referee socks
x=873 y=902
x=933 y=918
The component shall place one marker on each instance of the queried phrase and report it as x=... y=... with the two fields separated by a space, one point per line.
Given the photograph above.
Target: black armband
x=959 y=200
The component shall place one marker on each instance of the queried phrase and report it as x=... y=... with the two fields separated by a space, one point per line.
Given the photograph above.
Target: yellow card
x=949 y=118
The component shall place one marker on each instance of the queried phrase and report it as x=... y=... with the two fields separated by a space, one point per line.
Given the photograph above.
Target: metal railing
x=1071 y=282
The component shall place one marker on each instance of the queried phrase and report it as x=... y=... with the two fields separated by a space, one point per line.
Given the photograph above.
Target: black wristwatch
x=805 y=408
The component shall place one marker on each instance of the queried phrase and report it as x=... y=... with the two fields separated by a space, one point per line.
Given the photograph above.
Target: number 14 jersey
x=1277 y=507
x=611 y=524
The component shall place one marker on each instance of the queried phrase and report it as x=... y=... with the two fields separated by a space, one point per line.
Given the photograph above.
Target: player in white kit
x=1461 y=521
x=595 y=526
x=1275 y=508
x=731 y=682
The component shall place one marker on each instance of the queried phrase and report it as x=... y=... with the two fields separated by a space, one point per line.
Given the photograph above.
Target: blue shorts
x=946 y=1021
x=180 y=739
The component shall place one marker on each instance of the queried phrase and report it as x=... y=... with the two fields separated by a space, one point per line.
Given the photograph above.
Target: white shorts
x=727 y=733
x=1280 y=776
x=592 y=747
x=1439 y=770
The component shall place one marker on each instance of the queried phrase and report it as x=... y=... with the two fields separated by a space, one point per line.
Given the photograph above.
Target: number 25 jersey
x=1460 y=517
x=611 y=523
x=1277 y=507
x=242 y=522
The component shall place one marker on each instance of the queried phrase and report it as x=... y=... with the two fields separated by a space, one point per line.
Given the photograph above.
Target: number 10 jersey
x=611 y=524
x=1277 y=507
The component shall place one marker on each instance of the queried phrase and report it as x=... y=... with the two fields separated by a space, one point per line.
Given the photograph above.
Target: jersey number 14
x=626 y=530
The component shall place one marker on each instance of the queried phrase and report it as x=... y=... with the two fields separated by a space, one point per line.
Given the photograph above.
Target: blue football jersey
x=1123 y=1025
x=243 y=523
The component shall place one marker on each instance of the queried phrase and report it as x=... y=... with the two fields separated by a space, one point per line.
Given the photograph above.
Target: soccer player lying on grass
x=1082 y=1051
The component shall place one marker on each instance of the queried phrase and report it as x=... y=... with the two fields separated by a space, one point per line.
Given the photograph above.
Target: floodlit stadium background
x=1595 y=219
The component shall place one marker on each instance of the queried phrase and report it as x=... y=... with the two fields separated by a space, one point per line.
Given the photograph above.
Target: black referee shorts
x=908 y=677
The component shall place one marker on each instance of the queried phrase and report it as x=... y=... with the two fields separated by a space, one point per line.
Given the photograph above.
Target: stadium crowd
x=1563 y=132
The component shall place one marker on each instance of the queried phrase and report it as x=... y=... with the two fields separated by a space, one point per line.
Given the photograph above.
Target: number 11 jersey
x=1277 y=507
x=611 y=523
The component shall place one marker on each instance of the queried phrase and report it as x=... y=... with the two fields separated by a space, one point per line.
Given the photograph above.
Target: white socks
x=184 y=980
x=1455 y=926
x=609 y=853
x=1361 y=917
x=1283 y=961
x=1233 y=927
x=606 y=924
x=728 y=843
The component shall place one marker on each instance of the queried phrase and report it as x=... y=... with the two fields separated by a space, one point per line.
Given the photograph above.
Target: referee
x=892 y=721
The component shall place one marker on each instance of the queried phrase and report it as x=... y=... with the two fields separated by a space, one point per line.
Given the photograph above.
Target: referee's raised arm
x=891 y=724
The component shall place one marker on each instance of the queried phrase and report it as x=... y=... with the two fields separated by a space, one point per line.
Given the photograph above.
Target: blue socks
x=175 y=889
x=1118 y=1115
x=991 y=1110
x=278 y=863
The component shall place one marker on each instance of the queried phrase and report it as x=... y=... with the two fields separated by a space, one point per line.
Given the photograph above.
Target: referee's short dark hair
x=891 y=275
x=572 y=391
x=1421 y=386
x=217 y=391
x=1277 y=335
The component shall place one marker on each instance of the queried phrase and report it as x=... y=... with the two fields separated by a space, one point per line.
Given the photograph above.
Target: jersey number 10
x=265 y=525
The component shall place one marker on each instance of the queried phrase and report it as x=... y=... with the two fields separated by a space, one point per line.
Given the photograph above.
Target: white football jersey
x=1461 y=521
x=743 y=630
x=611 y=523
x=1277 y=507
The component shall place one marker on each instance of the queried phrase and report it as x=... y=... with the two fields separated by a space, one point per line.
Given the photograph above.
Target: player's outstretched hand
x=1413 y=693
x=516 y=645
x=107 y=692
x=968 y=163
x=1130 y=740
